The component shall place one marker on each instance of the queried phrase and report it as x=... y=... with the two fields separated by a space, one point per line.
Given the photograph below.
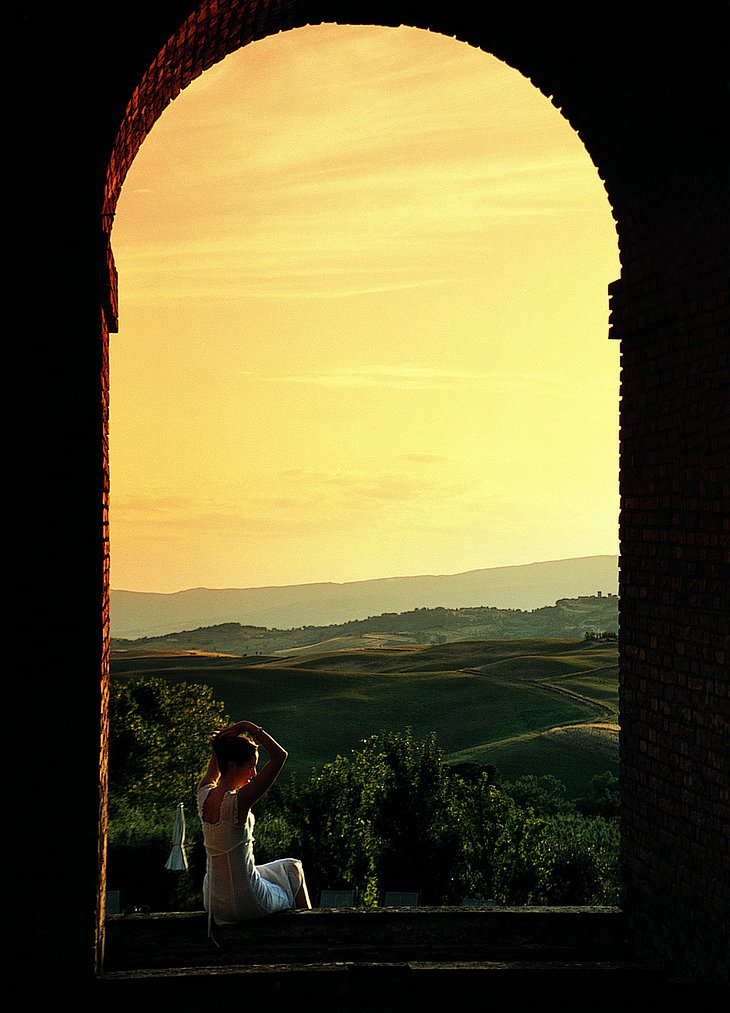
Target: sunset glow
x=363 y=323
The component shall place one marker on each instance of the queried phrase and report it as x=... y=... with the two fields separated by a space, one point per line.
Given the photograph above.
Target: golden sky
x=363 y=323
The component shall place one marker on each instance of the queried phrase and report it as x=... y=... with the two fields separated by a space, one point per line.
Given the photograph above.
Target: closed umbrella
x=177 y=862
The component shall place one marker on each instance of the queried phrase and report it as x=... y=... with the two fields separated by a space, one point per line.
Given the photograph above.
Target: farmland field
x=525 y=706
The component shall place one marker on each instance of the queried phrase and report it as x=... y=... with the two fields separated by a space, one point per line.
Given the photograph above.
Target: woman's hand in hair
x=235 y=729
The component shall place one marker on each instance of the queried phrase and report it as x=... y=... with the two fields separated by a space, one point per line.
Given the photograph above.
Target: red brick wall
x=674 y=626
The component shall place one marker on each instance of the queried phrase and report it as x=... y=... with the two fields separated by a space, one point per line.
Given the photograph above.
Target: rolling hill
x=568 y=617
x=137 y=614
x=541 y=705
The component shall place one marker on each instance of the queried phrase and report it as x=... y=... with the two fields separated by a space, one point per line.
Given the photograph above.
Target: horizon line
x=370 y=580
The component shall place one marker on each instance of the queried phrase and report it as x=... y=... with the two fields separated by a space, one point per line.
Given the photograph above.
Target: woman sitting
x=235 y=889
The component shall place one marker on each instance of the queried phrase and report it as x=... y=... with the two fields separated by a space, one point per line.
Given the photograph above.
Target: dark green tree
x=582 y=866
x=543 y=793
x=159 y=740
x=481 y=810
x=387 y=817
x=417 y=818
x=603 y=798
x=336 y=812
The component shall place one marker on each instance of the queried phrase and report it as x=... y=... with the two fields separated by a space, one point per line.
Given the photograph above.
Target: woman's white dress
x=235 y=889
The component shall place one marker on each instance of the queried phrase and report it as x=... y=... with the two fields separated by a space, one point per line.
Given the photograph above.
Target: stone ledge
x=356 y=936
x=365 y=987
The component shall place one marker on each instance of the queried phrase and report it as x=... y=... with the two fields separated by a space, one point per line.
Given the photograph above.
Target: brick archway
x=646 y=96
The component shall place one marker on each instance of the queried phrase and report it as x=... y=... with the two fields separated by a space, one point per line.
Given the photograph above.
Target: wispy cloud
x=293 y=498
x=420 y=378
x=423 y=458
x=393 y=377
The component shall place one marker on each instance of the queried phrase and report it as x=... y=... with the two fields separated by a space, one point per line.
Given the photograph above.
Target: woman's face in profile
x=251 y=766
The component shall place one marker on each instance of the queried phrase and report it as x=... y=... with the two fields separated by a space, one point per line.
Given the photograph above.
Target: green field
x=526 y=706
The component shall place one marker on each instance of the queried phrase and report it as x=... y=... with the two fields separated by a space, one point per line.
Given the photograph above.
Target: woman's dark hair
x=238 y=749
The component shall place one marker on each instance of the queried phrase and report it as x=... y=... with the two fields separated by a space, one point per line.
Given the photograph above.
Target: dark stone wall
x=648 y=95
x=674 y=634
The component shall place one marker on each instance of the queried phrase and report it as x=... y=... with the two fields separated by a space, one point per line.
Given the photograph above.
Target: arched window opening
x=363 y=336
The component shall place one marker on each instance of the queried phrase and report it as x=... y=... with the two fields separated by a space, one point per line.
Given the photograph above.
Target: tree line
x=392 y=815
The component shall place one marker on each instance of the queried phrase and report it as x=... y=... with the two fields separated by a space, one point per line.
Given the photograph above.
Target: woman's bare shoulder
x=211 y=806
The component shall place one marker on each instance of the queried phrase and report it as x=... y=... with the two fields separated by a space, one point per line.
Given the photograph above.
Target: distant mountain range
x=136 y=614
x=568 y=618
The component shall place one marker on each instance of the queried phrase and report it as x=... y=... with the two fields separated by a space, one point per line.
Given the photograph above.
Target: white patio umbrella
x=177 y=861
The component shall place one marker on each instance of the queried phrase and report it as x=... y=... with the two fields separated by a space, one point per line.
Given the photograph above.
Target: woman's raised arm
x=260 y=784
x=212 y=773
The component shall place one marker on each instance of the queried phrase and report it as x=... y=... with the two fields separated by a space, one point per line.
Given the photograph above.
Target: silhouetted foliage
x=395 y=816
x=603 y=798
x=542 y=793
x=159 y=740
x=158 y=747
